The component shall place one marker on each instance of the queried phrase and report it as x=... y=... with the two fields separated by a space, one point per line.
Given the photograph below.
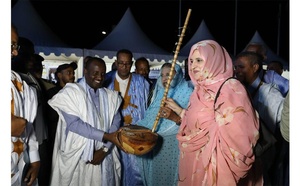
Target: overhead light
x=103 y=32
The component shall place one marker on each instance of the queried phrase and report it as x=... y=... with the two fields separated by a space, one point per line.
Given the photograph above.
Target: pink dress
x=216 y=145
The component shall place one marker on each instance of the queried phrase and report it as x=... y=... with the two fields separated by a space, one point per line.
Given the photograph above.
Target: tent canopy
x=202 y=33
x=127 y=34
x=271 y=56
x=31 y=26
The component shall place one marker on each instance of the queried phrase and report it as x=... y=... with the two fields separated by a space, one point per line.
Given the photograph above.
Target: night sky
x=79 y=23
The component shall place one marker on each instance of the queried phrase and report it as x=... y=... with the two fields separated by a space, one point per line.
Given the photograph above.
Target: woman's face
x=197 y=64
x=165 y=74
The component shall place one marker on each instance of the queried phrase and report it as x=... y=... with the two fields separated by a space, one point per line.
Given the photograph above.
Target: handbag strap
x=218 y=93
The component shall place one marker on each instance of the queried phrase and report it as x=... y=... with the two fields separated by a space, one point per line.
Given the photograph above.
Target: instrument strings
x=172 y=68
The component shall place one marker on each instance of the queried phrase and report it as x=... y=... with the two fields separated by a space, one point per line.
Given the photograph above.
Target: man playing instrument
x=88 y=114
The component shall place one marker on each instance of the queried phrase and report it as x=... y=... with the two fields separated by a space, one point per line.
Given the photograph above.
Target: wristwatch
x=105 y=149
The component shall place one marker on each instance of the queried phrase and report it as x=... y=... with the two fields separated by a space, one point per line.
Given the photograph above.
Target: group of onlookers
x=208 y=120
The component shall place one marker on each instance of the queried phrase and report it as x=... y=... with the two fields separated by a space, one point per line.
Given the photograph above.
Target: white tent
x=31 y=26
x=46 y=43
x=58 y=56
x=201 y=33
x=127 y=34
x=270 y=54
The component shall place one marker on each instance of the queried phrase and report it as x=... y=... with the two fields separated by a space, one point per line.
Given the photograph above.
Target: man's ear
x=59 y=75
x=255 y=68
x=85 y=71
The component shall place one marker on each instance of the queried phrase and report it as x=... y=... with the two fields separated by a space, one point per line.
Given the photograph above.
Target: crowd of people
x=208 y=127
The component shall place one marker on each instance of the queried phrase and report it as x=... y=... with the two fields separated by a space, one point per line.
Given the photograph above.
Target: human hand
x=18 y=125
x=167 y=113
x=170 y=103
x=98 y=157
x=109 y=136
x=32 y=173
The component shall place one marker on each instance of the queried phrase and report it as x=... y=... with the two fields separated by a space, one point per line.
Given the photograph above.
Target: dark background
x=79 y=23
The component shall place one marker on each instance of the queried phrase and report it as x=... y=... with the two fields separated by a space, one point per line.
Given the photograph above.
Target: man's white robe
x=72 y=152
x=24 y=104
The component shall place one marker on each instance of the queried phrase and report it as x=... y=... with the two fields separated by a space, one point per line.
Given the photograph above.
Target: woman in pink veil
x=216 y=141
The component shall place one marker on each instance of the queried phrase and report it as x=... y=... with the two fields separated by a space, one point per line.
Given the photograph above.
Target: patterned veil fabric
x=216 y=146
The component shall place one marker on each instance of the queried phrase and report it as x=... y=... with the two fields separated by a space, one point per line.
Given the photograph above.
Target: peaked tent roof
x=271 y=56
x=31 y=26
x=128 y=34
x=201 y=33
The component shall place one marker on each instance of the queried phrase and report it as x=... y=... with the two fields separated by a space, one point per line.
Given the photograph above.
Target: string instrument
x=139 y=140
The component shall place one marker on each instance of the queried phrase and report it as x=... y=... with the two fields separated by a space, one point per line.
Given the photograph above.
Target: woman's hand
x=170 y=103
x=167 y=113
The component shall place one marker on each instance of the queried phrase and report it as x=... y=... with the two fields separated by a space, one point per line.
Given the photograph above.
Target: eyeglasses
x=123 y=64
x=15 y=47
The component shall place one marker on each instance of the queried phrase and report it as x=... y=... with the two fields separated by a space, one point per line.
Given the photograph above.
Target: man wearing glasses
x=25 y=159
x=15 y=47
x=134 y=90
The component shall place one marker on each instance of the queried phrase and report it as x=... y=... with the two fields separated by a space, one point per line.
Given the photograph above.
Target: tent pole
x=278 y=29
x=235 y=29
